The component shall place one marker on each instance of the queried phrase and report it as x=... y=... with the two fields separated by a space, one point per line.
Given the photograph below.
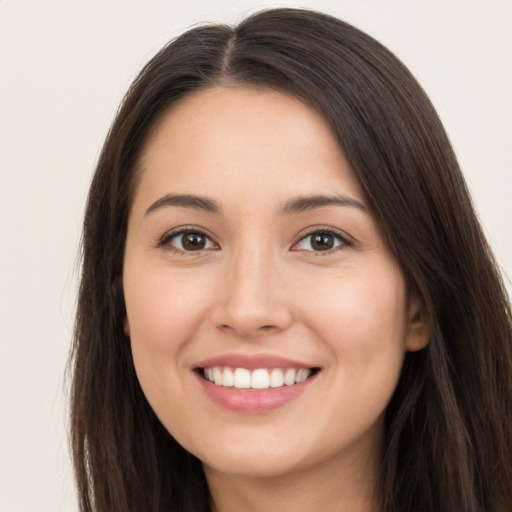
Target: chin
x=264 y=465
x=263 y=457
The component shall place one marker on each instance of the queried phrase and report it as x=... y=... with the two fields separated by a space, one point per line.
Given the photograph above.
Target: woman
x=287 y=301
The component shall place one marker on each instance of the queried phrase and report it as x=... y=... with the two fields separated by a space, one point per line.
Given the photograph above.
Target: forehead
x=237 y=138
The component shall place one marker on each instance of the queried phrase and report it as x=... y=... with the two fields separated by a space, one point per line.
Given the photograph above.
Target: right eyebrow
x=301 y=204
x=185 y=201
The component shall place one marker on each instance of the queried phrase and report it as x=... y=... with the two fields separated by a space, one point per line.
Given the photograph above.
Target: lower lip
x=253 y=401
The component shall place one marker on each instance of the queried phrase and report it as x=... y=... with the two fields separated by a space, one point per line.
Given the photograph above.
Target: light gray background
x=64 y=67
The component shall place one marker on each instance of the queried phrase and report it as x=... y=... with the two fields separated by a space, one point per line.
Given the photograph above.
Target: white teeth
x=289 y=377
x=228 y=379
x=276 y=378
x=242 y=378
x=302 y=375
x=217 y=376
x=261 y=378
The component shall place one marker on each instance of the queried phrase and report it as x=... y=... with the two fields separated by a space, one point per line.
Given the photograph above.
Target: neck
x=348 y=483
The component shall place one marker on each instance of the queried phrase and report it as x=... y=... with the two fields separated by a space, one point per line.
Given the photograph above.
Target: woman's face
x=253 y=261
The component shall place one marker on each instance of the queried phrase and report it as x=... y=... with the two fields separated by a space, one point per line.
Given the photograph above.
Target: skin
x=259 y=286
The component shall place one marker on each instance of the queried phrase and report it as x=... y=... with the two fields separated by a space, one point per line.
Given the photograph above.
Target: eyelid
x=164 y=240
x=346 y=241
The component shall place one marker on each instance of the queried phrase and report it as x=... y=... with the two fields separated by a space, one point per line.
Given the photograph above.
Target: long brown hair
x=448 y=429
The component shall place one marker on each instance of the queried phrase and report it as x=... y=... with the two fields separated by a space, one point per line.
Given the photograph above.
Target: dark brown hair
x=448 y=429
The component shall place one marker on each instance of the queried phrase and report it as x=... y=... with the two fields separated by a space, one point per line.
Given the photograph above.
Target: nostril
x=267 y=327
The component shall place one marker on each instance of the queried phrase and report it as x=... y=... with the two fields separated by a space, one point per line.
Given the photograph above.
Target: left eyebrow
x=301 y=204
x=185 y=201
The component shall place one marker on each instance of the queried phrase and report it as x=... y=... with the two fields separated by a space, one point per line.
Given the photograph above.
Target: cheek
x=361 y=322
x=162 y=309
x=369 y=308
x=164 y=312
x=363 y=325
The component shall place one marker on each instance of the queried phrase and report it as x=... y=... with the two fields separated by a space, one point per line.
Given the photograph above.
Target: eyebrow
x=296 y=205
x=185 y=201
x=302 y=204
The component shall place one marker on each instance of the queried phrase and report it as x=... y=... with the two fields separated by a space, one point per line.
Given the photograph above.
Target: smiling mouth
x=257 y=379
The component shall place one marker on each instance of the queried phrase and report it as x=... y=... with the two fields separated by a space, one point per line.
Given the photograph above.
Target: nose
x=251 y=302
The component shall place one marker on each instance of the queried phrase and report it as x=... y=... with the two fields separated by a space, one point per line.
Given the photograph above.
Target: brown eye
x=189 y=241
x=193 y=241
x=321 y=240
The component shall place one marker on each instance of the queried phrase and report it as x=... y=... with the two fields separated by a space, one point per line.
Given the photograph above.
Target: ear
x=418 y=326
x=126 y=326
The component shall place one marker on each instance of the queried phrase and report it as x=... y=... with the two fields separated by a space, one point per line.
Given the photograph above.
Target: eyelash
x=166 y=240
x=342 y=239
x=169 y=237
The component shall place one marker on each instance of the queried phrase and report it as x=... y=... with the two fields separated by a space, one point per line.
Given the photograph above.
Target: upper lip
x=251 y=362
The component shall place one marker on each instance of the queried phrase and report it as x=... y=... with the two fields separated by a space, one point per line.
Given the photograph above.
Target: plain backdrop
x=64 y=67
